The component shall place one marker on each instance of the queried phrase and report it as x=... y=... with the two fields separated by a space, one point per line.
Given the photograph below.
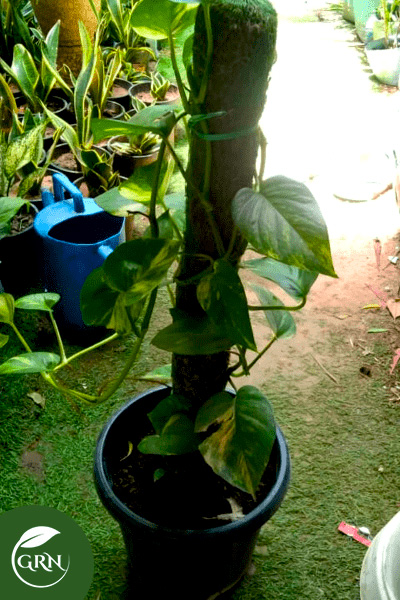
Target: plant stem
x=59 y=340
x=20 y=337
x=257 y=358
x=297 y=307
x=65 y=362
x=112 y=388
x=178 y=77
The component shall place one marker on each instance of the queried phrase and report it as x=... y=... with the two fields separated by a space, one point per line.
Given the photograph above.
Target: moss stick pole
x=243 y=52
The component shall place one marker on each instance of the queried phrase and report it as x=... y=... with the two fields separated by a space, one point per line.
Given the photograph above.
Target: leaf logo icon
x=36 y=536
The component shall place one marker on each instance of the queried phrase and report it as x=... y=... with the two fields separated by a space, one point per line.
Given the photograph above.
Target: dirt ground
x=322 y=127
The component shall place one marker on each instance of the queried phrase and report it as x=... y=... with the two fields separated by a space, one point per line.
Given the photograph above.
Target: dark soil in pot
x=64 y=162
x=142 y=91
x=120 y=92
x=113 y=110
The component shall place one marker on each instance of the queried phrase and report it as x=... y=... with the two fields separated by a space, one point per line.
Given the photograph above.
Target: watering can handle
x=61 y=183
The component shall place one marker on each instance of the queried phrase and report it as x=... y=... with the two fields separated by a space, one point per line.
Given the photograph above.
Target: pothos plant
x=229 y=207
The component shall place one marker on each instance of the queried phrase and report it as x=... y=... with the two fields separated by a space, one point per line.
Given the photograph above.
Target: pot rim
x=252 y=521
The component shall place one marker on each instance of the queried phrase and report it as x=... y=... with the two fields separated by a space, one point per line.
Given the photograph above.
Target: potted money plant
x=194 y=469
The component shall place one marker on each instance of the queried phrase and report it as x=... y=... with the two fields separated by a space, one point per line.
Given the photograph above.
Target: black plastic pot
x=183 y=564
x=19 y=270
x=125 y=164
x=122 y=98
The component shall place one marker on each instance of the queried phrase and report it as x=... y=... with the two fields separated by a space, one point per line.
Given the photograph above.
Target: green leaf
x=6 y=308
x=240 y=449
x=3 y=339
x=280 y=321
x=214 y=411
x=162 y=374
x=222 y=296
x=295 y=282
x=154 y=19
x=140 y=184
x=24 y=72
x=177 y=437
x=139 y=266
x=283 y=221
x=100 y=305
x=187 y=52
x=377 y=330
x=30 y=362
x=155 y=119
x=192 y=336
x=166 y=409
x=24 y=149
x=8 y=209
x=113 y=202
x=43 y=301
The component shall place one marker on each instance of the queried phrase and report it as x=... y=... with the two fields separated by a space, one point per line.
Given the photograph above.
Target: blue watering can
x=76 y=237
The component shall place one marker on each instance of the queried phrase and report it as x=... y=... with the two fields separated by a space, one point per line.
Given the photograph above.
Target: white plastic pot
x=385 y=64
x=380 y=573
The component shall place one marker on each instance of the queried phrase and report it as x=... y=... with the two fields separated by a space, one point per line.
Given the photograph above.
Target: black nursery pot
x=19 y=272
x=197 y=564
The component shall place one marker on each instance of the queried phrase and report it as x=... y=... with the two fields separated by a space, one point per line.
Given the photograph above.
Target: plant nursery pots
x=198 y=563
x=64 y=161
x=69 y=12
x=142 y=91
x=384 y=62
x=125 y=164
x=120 y=92
x=19 y=271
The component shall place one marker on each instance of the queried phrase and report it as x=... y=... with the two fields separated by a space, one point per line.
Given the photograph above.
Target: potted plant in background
x=157 y=90
x=201 y=442
x=18 y=268
x=383 y=50
x=36 y=82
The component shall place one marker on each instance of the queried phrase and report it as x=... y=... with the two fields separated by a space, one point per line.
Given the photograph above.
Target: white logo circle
x=34 y=538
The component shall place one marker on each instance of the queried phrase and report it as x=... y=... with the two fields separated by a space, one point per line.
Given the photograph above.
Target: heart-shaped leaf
x=44 y=301
x=3 y=339
x=241 y=447
x=154 y=19
x=283 y=221
x=157 y=119
x=295 y=282
x=6 y=308
x=222 y=296
x=177 y=437
x=36 y=536
x=280 y=321
x=168 y=407
x=101 y=305
x=30 y=362
x=192 y=335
